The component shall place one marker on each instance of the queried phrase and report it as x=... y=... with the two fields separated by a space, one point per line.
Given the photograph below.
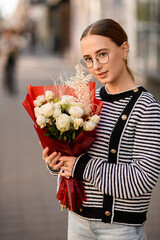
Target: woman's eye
x=88 y=59
x=103 y=54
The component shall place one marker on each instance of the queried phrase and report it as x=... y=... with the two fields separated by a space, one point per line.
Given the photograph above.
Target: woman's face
x=112 y=71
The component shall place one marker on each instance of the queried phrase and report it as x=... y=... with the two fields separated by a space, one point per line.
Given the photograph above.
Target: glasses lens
x=83 y=62
x=103 y=58
x=86 y=64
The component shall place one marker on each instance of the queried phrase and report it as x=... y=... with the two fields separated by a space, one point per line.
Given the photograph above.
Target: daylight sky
x=7 y=7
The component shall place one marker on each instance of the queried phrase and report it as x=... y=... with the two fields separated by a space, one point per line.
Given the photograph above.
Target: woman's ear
x=125 y=50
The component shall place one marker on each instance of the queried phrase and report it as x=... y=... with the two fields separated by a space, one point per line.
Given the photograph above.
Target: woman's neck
x=126 y=82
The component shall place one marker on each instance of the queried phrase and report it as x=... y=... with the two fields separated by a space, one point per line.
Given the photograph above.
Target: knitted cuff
x=80 y=165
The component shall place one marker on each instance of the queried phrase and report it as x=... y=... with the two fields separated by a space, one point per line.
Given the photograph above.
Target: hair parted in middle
x=107 y=28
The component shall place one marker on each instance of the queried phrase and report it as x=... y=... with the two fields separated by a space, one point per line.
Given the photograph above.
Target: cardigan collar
x=105 y=96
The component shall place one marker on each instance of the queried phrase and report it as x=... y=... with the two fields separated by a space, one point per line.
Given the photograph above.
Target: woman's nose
x=96 y=64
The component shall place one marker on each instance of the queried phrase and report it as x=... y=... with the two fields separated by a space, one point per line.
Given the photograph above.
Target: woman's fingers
x=54 y=157
x=65 y=174
x=56 y=161
x=45 y=153
x=56 y=166
x=51 y=159
x=65 y=168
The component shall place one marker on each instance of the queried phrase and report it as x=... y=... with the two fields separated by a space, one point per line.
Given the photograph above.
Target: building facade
x=148 y=38
x=141 y=21
x=60 y=24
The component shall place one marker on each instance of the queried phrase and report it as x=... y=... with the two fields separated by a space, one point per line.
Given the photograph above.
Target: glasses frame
x=83 y=61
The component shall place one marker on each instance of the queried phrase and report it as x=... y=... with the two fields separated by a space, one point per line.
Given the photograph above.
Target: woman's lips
x=102 y=74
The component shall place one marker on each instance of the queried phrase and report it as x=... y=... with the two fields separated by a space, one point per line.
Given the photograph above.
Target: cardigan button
x=107 y=213
x=124 y=117
x=136 y=90
x=113 y=151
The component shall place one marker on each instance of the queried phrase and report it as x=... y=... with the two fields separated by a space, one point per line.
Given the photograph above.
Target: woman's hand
x=68 y=165
x=53 y=160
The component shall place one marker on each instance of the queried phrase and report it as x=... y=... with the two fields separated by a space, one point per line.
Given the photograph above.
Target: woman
x=122 y=166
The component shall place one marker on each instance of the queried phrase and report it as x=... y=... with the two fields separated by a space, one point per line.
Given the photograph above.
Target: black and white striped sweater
x=122 y=166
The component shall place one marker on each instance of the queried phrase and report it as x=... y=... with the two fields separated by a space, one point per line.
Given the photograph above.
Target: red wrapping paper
x=71 y=193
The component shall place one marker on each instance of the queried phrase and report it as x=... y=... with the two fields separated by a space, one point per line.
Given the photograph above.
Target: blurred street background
x=39 y=41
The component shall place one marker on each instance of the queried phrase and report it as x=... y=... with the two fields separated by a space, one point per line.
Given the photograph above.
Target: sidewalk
x=29 y=209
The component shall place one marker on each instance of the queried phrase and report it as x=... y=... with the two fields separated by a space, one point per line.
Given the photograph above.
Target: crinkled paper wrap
x=71 y=193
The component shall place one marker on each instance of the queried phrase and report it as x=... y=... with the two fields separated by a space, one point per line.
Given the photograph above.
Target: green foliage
x=68 y=136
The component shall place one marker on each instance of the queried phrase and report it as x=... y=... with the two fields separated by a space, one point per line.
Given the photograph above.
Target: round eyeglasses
x=101 y=57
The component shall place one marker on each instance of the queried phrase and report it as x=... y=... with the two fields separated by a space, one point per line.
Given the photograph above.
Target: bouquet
x=65 y=118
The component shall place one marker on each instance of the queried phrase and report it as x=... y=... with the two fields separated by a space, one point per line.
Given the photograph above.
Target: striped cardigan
x=122 y=166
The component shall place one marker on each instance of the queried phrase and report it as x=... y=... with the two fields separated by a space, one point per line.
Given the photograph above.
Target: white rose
x=89 y=126
x=76 y=112
x=72 y=119
x=63 y=122
x=56 y=112
x=57 y=105
x=77 y=104
x=67 y=99
x=46 y=110
x=78 y=122
x=37 y=111
x=39 y=101
x=41 y=121
x=49 y=95
x=95 y=118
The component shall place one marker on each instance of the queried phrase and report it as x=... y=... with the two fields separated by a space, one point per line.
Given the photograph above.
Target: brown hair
x=111 y=29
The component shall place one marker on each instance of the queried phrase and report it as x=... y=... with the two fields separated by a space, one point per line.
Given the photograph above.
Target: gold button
x=107 y=213
x=124 y=117
x=135 y=90
x=113 y=151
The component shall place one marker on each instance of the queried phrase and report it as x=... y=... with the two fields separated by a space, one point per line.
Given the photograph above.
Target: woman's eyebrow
x=102 y=49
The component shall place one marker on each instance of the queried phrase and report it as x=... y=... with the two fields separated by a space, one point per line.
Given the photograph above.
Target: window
x=148 y=22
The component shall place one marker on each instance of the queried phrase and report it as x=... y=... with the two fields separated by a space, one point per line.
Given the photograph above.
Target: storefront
x=148 y=35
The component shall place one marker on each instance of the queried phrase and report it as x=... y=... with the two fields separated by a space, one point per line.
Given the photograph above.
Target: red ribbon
x=71 y=193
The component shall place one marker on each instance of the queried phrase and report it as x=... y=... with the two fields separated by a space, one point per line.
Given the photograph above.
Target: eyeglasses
x=101 y=57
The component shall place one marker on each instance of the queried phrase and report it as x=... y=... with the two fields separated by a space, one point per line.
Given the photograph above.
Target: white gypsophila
x=36 y=111
x=87 y=110
x=49 y=95
x=89 y=126
x=39 y=101
x=41 y=121
x=46 y=110
x=57 y=112
x=78 y=122
x=76 y=112
x=67 y=99
x=95 y=118
x=63 y=122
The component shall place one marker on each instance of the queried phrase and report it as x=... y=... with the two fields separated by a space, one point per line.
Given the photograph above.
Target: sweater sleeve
x=134 y=179
x=52 y=171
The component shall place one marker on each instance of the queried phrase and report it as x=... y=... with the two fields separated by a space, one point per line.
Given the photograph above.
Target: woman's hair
x=110 y=29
